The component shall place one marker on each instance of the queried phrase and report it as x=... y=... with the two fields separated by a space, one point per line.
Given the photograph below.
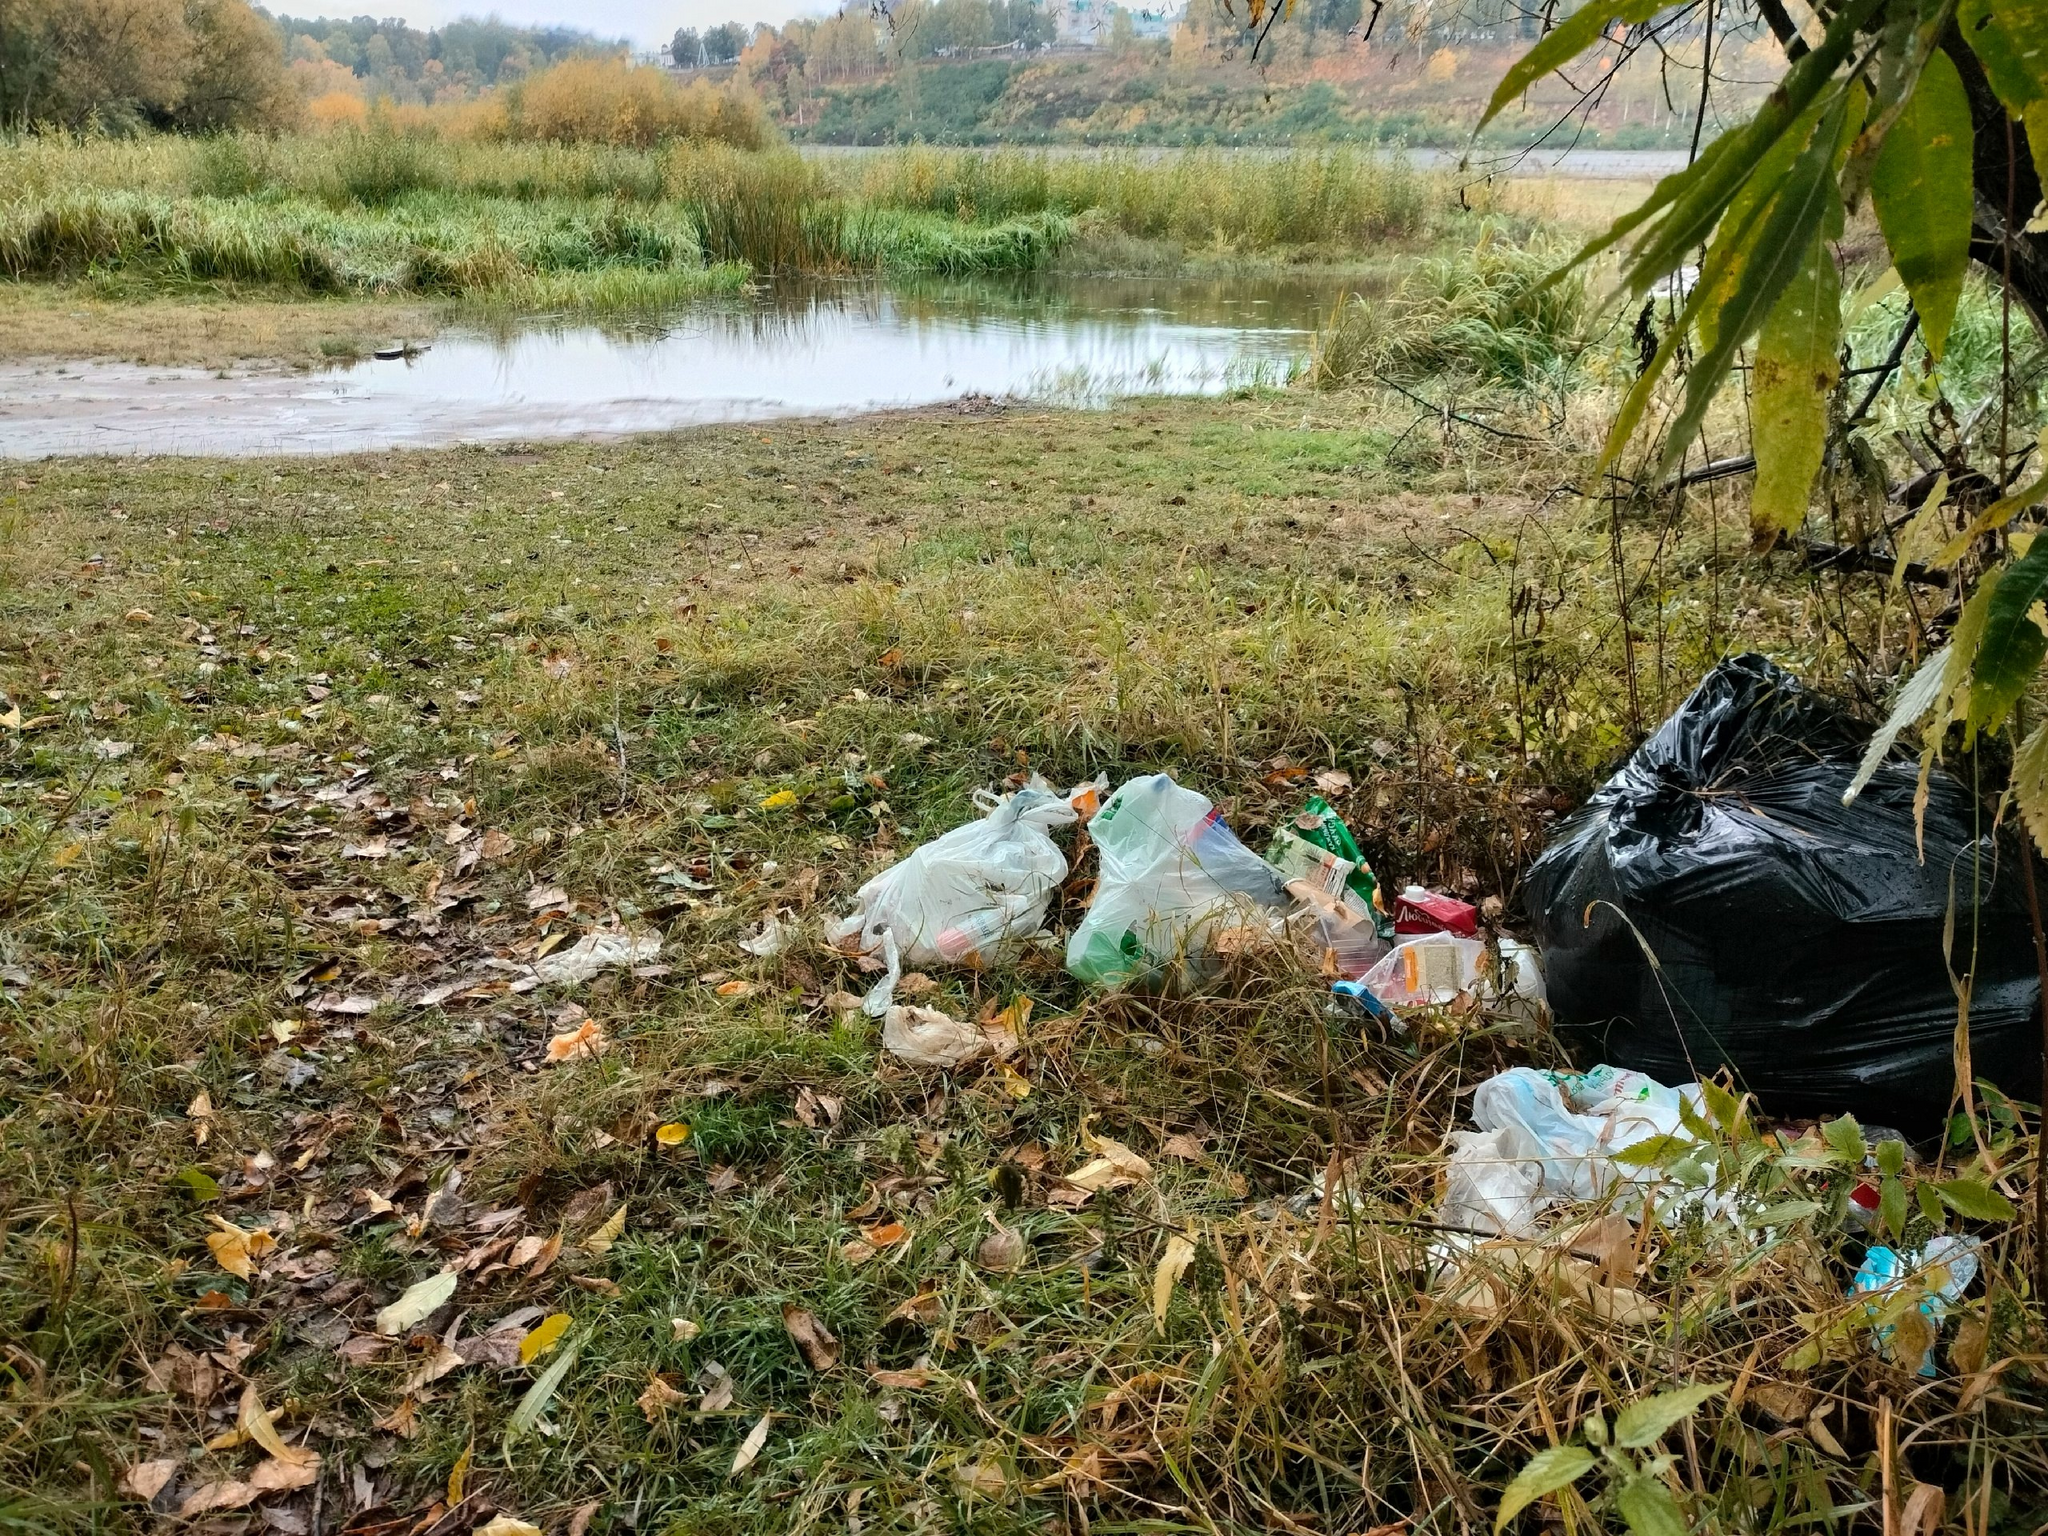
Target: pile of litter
x=1177 y=895
x=1724 y=903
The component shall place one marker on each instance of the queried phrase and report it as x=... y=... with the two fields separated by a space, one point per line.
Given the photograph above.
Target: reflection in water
x=812 y=349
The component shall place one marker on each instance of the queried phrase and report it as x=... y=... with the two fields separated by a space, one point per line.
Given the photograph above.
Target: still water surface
x=791 y=351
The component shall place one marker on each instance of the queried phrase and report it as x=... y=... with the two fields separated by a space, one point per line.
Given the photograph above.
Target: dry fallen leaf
x=495 y=844
x=579 y=1522
x=1333 y=782
x=719 y=1394
x=586 y=1041
x=146 y=1479
x=254 y=1421
x=1186 y=1148
x=1173 y=1263
x=402 y=1421
x=237 y=1251
x=1114 y=1166
x=751 y=1446
x=419 y=1302
x=656 y=1401
x=812 y=1337
x=683 y=1329
x=602 y=1239
x=923 y=1309
x=271 y=1476
x=906 y=1381
x=856 y=1252
x=674 y=1134
x=506 y=1525
x=926 y=1037
x=1002 y=1251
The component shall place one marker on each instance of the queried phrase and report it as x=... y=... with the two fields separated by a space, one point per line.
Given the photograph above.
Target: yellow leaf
x=237 y=1251
x=781 y=800
x=674 y=1134
x=1013 y=1082
x=506 y=1525
x=586 y=1040
x=66 y=856
x=1173 y=1263
x=458 y=1474
x=546 y=1334
x=602 y=1239
x=254 y=1421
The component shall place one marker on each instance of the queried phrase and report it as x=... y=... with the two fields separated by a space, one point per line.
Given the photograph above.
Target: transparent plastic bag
x=1493 y=1183
x=1173 y=876
x=1433 y=968
x=963 y=898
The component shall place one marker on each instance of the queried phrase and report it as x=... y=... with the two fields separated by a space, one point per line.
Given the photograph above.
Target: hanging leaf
x=1805 y=205
x=2013 y=645
x=1546 y=1473
x=1997 y=515
x=1921 y=189
x=1563 y=43
x=1975 y=1200
x=1891 y=1205
x=1722 y=267
x=1642 y=1424
x=1995 y=31
x=1701 y=205
x=1796 y=368
x=1915 y=700
x=2028 y=785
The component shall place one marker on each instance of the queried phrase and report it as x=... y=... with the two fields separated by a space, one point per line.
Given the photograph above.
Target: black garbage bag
x=1798 y=940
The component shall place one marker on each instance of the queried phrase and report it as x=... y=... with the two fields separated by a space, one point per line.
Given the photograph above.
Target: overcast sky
x=649 y=23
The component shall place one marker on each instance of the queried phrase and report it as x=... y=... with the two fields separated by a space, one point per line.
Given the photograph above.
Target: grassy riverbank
x=301 y=743
x=555 y=227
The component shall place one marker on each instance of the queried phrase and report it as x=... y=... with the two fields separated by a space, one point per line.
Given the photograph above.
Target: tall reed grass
x=1313 y=197
x=376 y=209
x=1487 y=314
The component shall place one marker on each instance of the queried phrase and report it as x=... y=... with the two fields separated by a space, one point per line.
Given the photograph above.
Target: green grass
x=613 y=656
x=384 y=212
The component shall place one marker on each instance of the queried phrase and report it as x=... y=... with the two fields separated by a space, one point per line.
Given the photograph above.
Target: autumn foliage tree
x=123 y=64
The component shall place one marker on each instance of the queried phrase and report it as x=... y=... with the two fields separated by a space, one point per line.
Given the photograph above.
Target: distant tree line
x=389 y=58
x=854 y=43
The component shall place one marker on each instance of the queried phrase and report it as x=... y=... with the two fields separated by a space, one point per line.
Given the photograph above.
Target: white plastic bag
x=1173 y=876
x=1578 y=1143
x=1493 y=1183
x=962 y=898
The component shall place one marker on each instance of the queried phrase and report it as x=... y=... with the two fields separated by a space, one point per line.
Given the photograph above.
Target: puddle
x=809 y=350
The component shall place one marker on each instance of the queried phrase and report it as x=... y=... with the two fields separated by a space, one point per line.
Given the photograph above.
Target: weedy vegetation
x=308 y=763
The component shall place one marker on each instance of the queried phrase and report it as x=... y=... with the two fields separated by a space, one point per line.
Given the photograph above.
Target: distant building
x=1088 y=22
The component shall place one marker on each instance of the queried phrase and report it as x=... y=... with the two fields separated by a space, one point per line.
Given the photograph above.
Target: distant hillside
x=1164 y=94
